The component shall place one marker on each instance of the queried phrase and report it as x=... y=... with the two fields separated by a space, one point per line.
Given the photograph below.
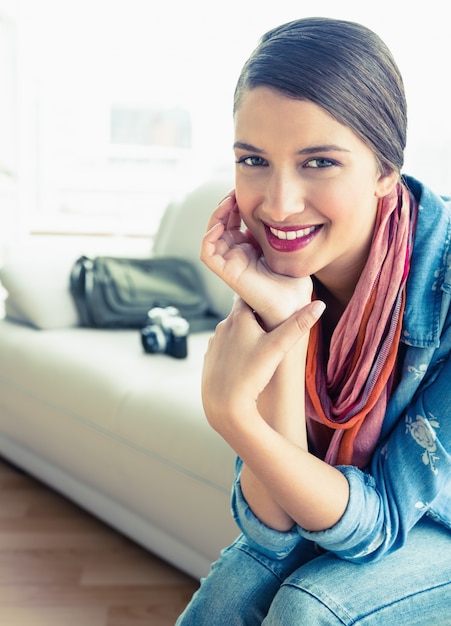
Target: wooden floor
x=61 y=567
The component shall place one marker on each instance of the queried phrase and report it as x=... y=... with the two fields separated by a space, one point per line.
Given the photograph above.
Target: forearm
x=282 y=402
x=307 y=491
x=269 y=376
x=282 y=482
x=282 y=406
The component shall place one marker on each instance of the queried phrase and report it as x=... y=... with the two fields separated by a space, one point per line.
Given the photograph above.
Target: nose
x=284 y=195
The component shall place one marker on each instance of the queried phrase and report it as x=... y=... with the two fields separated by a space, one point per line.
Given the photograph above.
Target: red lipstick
x=291 y=239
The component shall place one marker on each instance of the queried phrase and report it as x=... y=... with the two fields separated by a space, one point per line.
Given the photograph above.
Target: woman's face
x=307 y=188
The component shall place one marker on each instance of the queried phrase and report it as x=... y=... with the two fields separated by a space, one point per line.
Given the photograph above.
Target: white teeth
x=292 y=234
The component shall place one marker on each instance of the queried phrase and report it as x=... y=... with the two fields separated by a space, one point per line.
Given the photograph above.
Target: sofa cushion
x=127 y=425
x=38 y=293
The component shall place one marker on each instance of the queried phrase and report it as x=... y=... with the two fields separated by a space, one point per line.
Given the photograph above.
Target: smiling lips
x=290 y=240
x=292 y=234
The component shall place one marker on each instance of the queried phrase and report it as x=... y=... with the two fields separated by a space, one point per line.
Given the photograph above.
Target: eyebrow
x=309 y=150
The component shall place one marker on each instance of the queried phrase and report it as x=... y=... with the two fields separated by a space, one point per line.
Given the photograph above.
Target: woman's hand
x=236 y=258
x=281 y=481
x=241 y=360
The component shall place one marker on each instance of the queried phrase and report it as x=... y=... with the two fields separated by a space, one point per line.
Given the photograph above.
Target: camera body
x=166 y=332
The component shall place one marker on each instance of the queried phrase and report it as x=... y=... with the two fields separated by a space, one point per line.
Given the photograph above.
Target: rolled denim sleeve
x=346 y=538
x=359 y=532
x=270 y=542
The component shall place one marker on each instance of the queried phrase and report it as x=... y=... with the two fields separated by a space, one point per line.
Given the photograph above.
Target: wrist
x=269 y=320
x=271 y=316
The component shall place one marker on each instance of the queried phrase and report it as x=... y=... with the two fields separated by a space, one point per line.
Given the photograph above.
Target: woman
x=342 y=426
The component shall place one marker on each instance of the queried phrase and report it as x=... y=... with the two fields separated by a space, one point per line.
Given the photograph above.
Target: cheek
x=349 y=209
x=250 y=188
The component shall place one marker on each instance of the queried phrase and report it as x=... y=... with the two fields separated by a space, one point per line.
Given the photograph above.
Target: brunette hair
x=344 y=68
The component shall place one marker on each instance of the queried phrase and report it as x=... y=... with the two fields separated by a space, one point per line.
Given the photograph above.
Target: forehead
x=263 y=105
x=266 y=116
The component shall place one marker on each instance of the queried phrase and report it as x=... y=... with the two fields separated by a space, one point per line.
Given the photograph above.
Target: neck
x=336 y=300
x=336 y=304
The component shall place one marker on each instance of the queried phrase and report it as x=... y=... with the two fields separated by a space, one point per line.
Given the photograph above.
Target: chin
x=284 y=267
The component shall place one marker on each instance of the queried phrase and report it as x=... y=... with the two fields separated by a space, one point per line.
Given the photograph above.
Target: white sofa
x=119 y=431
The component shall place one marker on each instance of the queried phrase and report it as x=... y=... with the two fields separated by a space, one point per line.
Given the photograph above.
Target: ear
x=386 y=183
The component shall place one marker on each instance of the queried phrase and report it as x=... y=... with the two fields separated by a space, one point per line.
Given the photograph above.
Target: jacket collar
x=430 y=272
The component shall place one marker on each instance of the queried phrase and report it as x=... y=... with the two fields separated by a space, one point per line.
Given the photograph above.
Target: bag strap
x=81 y=270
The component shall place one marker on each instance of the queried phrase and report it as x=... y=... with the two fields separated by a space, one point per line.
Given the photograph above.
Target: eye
x=320 y=163
x=252 y=161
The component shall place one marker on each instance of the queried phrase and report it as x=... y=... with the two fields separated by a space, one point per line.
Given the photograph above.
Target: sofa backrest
x=182 y=228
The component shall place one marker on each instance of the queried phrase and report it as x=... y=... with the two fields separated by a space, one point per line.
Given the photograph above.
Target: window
x=123 y=105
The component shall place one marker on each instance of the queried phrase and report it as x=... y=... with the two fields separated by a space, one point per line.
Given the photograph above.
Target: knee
x=293 y=605
x=238 y=590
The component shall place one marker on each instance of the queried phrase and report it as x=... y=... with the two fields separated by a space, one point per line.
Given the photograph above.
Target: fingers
x=309 y=315
x=239 y=304
x=230 y=194
x=226 y=213
x=234 y=219
x=291 y=330
x=242 y=357
x=241 y=325
x=286 y=335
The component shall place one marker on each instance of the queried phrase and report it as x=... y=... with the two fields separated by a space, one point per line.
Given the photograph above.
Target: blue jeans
x=406 y=588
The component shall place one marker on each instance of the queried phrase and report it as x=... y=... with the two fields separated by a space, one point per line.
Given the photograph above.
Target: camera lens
x=153 y=339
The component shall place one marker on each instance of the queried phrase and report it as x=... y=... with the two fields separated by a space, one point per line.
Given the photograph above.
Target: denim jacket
x=410 y=472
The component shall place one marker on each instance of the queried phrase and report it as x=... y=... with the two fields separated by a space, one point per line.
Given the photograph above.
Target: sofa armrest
x=38 y=293
x=182 y=228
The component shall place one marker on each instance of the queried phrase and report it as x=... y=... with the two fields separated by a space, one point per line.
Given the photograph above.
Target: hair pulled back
x=344 y=68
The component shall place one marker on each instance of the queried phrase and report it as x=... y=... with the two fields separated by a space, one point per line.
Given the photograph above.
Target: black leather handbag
x=116 y=292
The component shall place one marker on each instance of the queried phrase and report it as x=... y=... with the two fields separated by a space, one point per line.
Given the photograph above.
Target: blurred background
x=111 y=108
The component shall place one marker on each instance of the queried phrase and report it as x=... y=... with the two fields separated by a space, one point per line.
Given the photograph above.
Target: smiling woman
x=312 y=379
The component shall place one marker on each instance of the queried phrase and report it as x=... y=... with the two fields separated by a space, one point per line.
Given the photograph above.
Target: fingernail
x=317 y=308
x=224 y=200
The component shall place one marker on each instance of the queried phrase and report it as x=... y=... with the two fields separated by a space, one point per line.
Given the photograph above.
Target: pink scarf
x=346 y=400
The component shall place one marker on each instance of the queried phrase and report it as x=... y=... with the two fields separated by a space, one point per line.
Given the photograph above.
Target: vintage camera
x=166 y=332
